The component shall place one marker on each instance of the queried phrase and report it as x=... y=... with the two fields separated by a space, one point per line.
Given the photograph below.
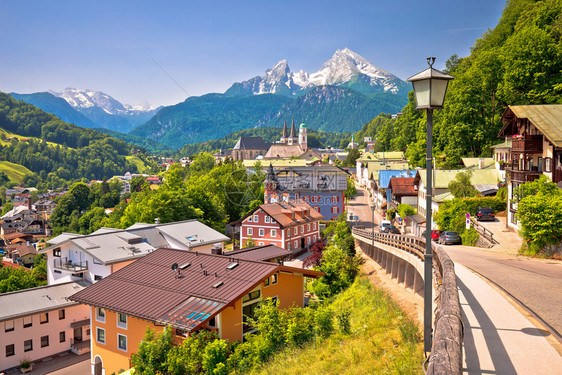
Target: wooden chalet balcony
x=68 y=265
x=531 y=143
x=524 y=176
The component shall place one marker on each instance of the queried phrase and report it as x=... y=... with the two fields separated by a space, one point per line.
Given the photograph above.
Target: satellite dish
x=175 y=266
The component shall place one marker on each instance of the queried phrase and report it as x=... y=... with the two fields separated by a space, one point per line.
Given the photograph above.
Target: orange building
x=188 y=291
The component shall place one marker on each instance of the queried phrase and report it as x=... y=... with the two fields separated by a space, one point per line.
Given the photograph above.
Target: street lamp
x=430 y=87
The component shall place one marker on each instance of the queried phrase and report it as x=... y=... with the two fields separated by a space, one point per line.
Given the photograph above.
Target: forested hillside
x=79 y=153
x=518 y=62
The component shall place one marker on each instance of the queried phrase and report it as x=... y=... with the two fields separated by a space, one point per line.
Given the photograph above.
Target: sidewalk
x=498 y=338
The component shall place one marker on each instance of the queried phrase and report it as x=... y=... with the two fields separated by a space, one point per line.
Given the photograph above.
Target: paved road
x=536 y=283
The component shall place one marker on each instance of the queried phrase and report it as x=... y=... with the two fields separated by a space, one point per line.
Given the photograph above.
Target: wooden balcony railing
x=531 y=143
x=524 y=176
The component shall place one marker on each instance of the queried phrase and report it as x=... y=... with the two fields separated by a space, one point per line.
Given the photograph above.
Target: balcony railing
x=79 y=347
x=69 y=265
x=531 y=143
x=524 y=176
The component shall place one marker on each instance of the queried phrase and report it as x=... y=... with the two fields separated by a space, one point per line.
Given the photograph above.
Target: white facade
x=73 y=264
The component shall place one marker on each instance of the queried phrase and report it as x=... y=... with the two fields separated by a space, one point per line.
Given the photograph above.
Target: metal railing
x=483 y=231
x=446 y=350
x=69 y=265
x=79 y=344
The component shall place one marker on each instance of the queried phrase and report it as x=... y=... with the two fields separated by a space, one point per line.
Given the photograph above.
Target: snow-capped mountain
x=105 y=110
x=345 y=68
x=84 y=98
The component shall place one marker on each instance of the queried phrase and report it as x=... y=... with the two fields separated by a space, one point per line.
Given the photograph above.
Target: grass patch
x=381 y=340
x=141 y=166
x=15 y=172
x=20 y=137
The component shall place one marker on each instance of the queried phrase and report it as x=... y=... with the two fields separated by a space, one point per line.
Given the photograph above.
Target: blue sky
x=208 y=45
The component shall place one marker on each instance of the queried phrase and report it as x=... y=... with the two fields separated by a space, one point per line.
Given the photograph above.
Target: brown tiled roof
x=282 y=212
x=149 y=289
x=22 y=249
x=264 y=253
x=402 y=186
x=283 y=151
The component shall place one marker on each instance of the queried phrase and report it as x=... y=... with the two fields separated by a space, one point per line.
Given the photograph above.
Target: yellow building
x=188 y=291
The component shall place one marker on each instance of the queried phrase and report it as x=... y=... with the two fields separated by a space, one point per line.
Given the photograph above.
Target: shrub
x=324 y=322
x=214 y=358
x=404 y=209
x=344 y=324
x=469 y=237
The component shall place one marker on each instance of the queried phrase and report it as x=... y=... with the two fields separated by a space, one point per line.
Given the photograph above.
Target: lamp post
x=430 y=87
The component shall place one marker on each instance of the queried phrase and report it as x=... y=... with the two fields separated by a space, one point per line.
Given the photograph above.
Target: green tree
x=461 y=187
x=152 y=354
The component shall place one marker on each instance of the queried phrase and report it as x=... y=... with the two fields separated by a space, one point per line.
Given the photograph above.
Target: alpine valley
x=345 y=93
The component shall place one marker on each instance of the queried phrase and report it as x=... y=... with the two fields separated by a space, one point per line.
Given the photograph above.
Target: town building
x=41 y=322
x=403 y=190
x=484 y=180
x=291 y=146
x=289 y=225
x=501 y=156
x=72 y=257
x=380 y=181
x=22 y=253
x=536 y=147
x=322 y=186
x=249 y=148
x=186 y=290
x=45 y=208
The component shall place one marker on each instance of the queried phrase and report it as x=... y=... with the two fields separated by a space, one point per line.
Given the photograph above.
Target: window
x=28 y=345
x=122 y=320
x=273 y=279
x=10 y=350
x=97 y=277
x=122 y=342
x=302 y=228
x=62 y=336
x=296 y=244
x=9 y=326
x=252 y=296
x=44 y=341
x=100 y=335
x=313 y=226
x=44 y=318
x=100 y=314
x=308 y=241
x=61 y=314
x=267 y=219
x=212 y=322
x=314 y=238
x=250 y=231
x=306 y=198
x=548 y=164
x=97 y=261
x=273 y=233
x=261 y=232
x=27 y=322
x=295 y=230
x=56 y=252
x=261 y=243
x=256 y=218
x=289 y=246
x=250 y=219
x=307 y=227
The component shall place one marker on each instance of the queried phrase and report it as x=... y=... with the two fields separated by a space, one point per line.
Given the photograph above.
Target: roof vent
x=218 y=284
x=176 y=270
x=232 y=266
x=184 y=266
x=205 y=273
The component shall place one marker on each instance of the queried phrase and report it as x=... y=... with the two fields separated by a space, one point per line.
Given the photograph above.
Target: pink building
x=291 y=226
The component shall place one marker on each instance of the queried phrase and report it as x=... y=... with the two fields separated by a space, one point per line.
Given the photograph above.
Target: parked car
x=485 y=213
x=392 y=229
x=450 y=238
x=383 y=225
x=435 y=233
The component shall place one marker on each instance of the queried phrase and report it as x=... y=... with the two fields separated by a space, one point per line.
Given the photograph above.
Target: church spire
x=293 y=131
x=284 y=136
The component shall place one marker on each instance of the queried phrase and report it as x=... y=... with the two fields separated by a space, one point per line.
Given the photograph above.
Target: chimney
x=29 y=204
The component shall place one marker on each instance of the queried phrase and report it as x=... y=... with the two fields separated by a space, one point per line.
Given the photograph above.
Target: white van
x=384 y=225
